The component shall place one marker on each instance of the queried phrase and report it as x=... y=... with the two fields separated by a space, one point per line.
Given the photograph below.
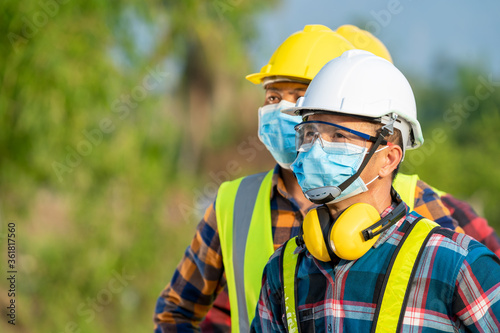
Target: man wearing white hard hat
x=363 y=261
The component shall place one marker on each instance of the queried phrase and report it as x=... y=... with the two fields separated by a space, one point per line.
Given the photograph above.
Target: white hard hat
x=358 y=83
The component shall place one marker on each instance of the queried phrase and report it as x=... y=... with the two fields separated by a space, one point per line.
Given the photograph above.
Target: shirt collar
x=388 y=233
x=278 y=188
x=278 y=183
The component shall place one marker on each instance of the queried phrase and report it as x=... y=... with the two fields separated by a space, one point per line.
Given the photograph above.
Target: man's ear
x=392 y=158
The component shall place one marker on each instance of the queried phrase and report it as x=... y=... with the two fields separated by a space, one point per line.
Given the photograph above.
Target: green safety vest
x=391 y=305
x=405 y=185
x=248 y=244
x=243 y=210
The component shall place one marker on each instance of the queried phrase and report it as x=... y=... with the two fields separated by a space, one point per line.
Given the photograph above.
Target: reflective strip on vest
x=289 y=266
x=406 y=186
x=397 y=283
x=243 y=211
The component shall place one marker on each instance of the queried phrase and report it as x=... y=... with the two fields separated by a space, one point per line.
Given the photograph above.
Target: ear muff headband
x=394 y=216
x=352 y=234
x=313 y=235
x=326 y=222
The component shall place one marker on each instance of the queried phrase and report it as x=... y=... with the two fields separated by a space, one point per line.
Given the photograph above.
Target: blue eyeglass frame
x=360 y=134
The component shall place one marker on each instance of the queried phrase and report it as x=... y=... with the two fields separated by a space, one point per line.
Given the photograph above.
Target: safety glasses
x=329 y=136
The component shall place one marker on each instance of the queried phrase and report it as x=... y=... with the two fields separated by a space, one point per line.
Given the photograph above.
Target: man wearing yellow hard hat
x=252 y=216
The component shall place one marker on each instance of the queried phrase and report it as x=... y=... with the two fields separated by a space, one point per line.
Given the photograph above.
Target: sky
x=415 y=32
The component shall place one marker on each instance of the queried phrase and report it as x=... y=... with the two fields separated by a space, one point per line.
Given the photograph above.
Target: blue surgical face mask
x=318 y=172
x=276 y=131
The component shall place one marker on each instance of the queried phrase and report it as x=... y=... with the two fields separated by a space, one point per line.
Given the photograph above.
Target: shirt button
x=330 y=327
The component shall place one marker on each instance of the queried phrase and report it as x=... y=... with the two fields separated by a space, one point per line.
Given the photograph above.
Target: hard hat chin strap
x=335 y=191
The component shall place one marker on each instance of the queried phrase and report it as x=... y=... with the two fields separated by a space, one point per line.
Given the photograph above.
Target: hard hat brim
x=295 y=111
x=258 y=78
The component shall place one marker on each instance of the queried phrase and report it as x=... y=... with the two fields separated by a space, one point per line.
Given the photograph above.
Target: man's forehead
x=286 y=86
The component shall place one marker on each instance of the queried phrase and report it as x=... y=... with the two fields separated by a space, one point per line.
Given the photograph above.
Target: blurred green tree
x=459 y=112
x=106 y=110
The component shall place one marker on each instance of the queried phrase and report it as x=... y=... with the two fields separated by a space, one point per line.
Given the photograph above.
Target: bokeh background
x=119 y=120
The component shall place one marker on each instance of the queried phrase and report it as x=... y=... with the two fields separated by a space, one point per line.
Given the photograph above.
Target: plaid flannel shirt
x=456 y=288
x=199 y=277
x=472 y=224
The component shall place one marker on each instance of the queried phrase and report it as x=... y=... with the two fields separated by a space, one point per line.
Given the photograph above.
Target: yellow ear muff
x=346 y=238
x=313 y=236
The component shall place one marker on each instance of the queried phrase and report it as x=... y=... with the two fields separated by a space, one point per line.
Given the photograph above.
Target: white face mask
x=277 y=133
x=320 y=174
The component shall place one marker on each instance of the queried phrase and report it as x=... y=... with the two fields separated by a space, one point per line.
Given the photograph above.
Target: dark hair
x=397 y=139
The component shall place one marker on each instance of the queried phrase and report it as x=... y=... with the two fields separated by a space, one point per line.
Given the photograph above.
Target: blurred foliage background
x=119 y=120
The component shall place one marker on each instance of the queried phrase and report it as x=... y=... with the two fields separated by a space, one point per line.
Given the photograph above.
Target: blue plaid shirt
x=456 y=288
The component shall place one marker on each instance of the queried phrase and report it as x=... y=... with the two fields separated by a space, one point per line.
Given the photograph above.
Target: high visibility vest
x=243 y=211
x=391 y=305
x=248 y=244
x=405 y=185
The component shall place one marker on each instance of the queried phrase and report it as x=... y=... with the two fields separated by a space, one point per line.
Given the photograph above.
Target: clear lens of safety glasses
x=331 y=136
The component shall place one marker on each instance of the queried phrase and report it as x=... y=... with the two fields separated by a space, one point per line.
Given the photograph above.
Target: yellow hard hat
x=304 y=53
x=364 y=40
